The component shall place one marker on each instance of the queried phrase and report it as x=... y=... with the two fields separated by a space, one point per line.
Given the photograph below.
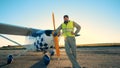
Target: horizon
x=82 y=45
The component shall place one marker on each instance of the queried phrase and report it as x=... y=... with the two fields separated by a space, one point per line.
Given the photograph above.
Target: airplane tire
x=10 y=59
x=46 y=59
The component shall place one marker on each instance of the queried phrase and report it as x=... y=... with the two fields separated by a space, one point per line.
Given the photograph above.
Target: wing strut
x=10 y=40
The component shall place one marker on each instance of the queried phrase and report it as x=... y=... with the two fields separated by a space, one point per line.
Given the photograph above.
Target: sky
x=99 y=19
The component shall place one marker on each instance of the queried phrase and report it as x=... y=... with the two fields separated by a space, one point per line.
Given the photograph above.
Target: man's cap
x=65 y=16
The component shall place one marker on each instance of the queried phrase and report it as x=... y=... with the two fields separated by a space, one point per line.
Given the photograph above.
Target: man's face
x=66 y=19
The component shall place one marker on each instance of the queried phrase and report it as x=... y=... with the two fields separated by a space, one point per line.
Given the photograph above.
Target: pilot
x=67 y=28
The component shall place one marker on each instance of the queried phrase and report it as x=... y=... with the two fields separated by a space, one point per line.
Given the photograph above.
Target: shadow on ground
x=39 y=64
x=2 y=65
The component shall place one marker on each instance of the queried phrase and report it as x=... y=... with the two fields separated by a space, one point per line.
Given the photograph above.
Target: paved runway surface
x=96 y=57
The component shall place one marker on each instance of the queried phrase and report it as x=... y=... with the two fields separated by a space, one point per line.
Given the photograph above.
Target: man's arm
x=78 y=28
x=57 y=30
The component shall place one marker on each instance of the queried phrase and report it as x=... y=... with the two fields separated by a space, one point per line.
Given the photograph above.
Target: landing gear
x=46 y=59
x=9 y=59
x=52 y=53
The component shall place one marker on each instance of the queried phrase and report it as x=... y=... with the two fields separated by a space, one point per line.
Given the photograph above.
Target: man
x=70 y=43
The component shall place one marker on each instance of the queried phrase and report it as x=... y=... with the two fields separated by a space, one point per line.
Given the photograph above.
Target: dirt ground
x=97 y=57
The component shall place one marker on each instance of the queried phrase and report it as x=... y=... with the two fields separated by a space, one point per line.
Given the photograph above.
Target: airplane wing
x=16 y=30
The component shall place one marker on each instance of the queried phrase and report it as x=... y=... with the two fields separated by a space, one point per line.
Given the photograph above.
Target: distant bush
x=12 y=48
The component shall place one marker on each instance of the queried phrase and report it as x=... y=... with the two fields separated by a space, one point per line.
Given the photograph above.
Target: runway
x=96 y=57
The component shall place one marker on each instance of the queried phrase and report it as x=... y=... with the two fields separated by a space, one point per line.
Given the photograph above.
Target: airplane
x=43 y=39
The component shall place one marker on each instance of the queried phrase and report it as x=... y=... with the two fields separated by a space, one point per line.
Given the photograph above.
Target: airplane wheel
x=46 y=59
x=10 y=59
x=52 y=53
